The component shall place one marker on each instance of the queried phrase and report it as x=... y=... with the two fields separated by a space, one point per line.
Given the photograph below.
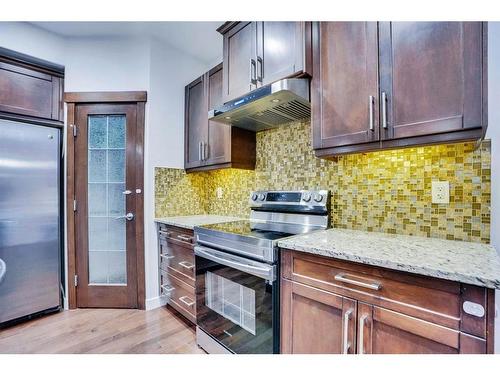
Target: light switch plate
x=441 y=192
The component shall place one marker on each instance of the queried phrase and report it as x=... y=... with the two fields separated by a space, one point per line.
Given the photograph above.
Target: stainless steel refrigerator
x=30 y=219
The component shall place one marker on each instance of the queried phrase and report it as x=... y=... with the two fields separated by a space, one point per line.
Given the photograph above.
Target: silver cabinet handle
x=184 y=299
x=186 y=265
x=199 y=151
x=164 y=233
x=347 y=344
x=253 y=72
x=167 y=257
x=184 y=238
x=370 y=109
x=260 y=63
x=129 y=216
x=127 y=192
x=3 y=270
x=362 y=320
x=167 y=289
x=205 y=150
x=384 y=110
x=373 y=286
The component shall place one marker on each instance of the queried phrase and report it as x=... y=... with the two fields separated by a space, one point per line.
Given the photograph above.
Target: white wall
x=170 y=71
x=494 y=134
x=125 y=64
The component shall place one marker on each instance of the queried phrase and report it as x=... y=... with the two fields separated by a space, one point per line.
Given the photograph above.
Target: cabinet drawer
x=434 y=300
x=180 y=295
x=177 y=235
x=178 y=260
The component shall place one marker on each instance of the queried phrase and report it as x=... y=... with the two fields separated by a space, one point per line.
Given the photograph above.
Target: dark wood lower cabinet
x=320 y=314
x=176 y=273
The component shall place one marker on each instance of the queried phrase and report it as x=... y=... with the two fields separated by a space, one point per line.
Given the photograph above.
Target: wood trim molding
x=106 y=97
x=73 y=99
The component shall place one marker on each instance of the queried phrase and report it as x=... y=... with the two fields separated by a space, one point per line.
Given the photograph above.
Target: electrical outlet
x=219 y=192
x=441 y=192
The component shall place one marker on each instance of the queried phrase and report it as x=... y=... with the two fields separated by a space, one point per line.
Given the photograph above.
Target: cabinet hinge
x=74 y=130
x=74 y=205
x=76 y=280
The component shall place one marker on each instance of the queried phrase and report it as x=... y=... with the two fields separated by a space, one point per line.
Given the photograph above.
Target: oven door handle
x=262 y=270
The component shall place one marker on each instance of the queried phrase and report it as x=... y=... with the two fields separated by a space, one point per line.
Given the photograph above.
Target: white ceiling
x=198 y=39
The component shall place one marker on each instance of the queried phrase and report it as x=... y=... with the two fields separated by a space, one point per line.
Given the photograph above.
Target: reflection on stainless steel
x=29 y=219
x=3 y=270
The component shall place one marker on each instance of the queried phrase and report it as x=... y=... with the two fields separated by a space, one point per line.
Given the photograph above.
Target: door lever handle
x=129 y=216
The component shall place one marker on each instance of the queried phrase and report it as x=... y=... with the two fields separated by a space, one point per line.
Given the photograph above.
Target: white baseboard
x=155 y=302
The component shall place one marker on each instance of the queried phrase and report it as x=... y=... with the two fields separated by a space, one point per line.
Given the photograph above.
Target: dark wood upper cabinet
x=345 y=84
x=196 y=129
x=208 y=144
x=29 y=88
x=259 y=53
x=429 y=84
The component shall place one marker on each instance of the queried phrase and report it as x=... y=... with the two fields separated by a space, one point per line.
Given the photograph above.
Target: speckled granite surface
x=467 y=262
x=189 y=222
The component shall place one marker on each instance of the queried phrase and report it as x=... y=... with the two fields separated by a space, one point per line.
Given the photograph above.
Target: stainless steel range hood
x=267 y=107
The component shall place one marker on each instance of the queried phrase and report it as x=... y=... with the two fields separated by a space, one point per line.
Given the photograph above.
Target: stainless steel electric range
x=237 y=270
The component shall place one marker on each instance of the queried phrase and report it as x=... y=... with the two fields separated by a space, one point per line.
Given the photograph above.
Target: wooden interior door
x=429 y=74
x=240 y=65
x=345 y=84
x=106 y=169
x=382 y=331
x=315 y=321
x=196 y=122
x=219 y=135
x=279 y=50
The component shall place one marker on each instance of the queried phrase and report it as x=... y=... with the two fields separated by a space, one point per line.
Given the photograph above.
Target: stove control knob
x=318 y=197
x=261 y=197
x=254 y=197
x=306 y=197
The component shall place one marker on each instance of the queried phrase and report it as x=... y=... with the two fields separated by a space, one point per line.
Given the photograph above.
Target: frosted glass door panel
x=106 y=201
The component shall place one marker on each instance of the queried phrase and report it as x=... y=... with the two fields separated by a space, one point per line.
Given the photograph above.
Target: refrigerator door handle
x=3 y=270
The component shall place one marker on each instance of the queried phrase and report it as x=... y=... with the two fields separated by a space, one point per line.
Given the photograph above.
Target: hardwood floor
x=102 y=331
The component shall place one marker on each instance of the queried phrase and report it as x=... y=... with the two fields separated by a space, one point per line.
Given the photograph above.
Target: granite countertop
x=467 y=262
x=189 y=222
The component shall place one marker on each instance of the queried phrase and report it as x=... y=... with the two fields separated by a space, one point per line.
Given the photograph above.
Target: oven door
x=237 y=301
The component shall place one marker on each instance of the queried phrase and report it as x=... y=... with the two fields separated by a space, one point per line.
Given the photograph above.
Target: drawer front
x=180 y=295
x=178 y=260
x=181 y=236
x=434 y=300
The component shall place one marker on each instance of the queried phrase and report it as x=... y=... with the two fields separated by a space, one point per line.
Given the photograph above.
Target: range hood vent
x=267 y=107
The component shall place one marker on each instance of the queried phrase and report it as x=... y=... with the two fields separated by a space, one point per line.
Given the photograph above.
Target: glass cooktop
x=248 y=228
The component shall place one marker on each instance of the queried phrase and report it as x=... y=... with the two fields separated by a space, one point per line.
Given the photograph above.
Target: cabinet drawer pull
x=167 y=256
x=373 y=286
x=384 y=110
x=184 y=238
x=164 y=233
x=362 y=320
x=167 y=289
x=186 y=265
x=184 y=299
x=370 y=109
x=347 y=344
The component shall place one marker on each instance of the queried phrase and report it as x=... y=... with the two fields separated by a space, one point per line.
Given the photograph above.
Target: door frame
x=72 y=99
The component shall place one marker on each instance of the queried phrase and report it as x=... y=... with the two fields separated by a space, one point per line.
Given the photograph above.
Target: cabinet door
x=280 y=50
x=382 y=331
x=345 y=84
x=196 y=122
x=431 y=73
x=30 y=92
x=219 y=135
x=315 y=321
x=240 y=65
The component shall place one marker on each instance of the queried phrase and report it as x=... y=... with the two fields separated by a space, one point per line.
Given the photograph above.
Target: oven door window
x=235 y=307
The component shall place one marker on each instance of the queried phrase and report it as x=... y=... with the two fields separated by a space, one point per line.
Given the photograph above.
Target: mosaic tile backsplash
x=384 y=191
